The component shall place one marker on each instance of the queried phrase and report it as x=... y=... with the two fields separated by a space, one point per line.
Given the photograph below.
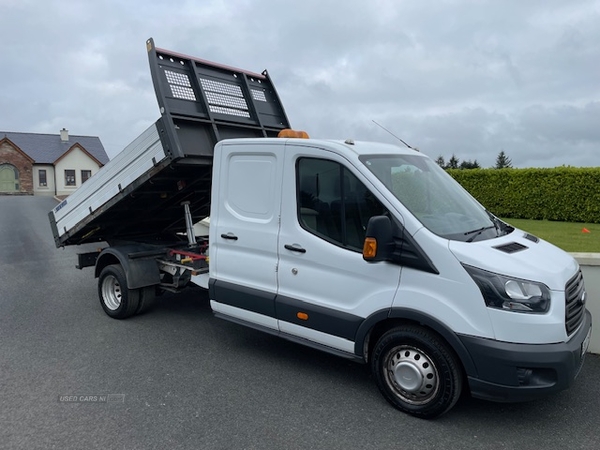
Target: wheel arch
x=139 y=272
x=378 y=323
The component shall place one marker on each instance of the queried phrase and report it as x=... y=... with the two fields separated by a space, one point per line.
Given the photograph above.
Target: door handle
x=229 y=236
x=295 y=248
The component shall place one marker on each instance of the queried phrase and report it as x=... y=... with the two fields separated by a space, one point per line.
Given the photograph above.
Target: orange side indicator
x=289 y=133
x=370 y=248
x=302 y=316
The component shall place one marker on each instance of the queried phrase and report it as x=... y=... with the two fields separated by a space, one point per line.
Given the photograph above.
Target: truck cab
x=452 y=296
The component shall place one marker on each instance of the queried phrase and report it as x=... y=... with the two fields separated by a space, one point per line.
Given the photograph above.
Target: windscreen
x=432 y=196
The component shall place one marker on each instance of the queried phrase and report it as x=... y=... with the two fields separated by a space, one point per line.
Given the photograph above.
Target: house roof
x=47 y=148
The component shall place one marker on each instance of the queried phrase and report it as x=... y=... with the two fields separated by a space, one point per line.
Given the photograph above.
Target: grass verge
x=570 y=236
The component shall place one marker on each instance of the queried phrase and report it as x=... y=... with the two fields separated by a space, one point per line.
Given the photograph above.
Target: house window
x=70 y=177
x=85 y=175
x=42 y=178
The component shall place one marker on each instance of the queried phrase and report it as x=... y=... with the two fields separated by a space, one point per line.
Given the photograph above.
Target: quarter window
x=333 y=204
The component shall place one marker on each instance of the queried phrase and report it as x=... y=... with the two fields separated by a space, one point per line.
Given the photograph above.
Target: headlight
x=511 y=294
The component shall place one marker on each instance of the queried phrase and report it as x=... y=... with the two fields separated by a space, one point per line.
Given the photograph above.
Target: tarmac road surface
x=176 y=377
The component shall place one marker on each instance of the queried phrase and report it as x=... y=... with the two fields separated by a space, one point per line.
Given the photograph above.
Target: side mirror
x=379 y=241
x=381 y=245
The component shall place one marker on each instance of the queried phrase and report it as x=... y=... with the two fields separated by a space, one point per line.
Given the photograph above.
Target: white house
x=47 y=164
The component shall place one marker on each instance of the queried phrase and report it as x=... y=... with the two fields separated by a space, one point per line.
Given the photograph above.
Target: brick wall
x=11 y=155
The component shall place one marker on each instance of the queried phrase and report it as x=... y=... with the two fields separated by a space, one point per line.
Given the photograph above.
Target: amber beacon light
x=289 y=133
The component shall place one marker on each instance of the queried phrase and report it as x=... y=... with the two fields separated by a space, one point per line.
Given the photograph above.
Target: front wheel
x=416 y=371
x=116 y=299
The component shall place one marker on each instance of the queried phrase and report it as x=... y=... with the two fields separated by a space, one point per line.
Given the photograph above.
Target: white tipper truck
x=367 y=251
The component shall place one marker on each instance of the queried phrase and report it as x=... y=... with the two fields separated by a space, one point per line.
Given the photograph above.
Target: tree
x=469 y=165
x=455 y=163
x=503 y=161
x=452 y=163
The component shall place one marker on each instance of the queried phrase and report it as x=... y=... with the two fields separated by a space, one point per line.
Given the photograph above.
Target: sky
x=469 y=78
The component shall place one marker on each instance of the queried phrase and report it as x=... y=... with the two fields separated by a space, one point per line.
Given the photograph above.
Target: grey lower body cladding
x=496 y=371
x=509 y=372
x=325 y=320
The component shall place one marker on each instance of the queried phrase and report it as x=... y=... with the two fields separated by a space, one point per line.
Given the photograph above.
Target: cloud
x=469 y=77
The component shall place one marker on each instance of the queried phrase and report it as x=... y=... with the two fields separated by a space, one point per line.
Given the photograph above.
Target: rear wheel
x=116 y=299
x=416 y=371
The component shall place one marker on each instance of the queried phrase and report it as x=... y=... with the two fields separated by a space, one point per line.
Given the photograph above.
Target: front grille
x=575 y=305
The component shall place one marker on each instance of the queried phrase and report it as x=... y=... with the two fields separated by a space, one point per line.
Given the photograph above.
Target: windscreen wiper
x=477 y=232
x=502 y=227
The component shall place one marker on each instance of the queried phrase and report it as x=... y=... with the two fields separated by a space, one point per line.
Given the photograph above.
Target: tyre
x=147 y=299
x=116 y=300
x=416 y=371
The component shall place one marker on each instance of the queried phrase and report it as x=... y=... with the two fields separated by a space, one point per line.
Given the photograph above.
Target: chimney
x=64 y=135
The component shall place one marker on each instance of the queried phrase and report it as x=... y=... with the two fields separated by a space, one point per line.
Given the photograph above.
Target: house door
x=9 y=179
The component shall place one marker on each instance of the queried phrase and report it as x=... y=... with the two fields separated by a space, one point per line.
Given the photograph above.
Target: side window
x=333 y=203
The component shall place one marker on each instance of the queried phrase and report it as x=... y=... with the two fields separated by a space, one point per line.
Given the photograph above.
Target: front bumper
x=518 y=372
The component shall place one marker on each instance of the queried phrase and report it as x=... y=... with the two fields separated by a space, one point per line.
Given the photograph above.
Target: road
x=179 y=378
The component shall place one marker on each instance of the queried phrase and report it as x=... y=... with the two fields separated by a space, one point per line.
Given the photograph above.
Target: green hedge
x=568 y=194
